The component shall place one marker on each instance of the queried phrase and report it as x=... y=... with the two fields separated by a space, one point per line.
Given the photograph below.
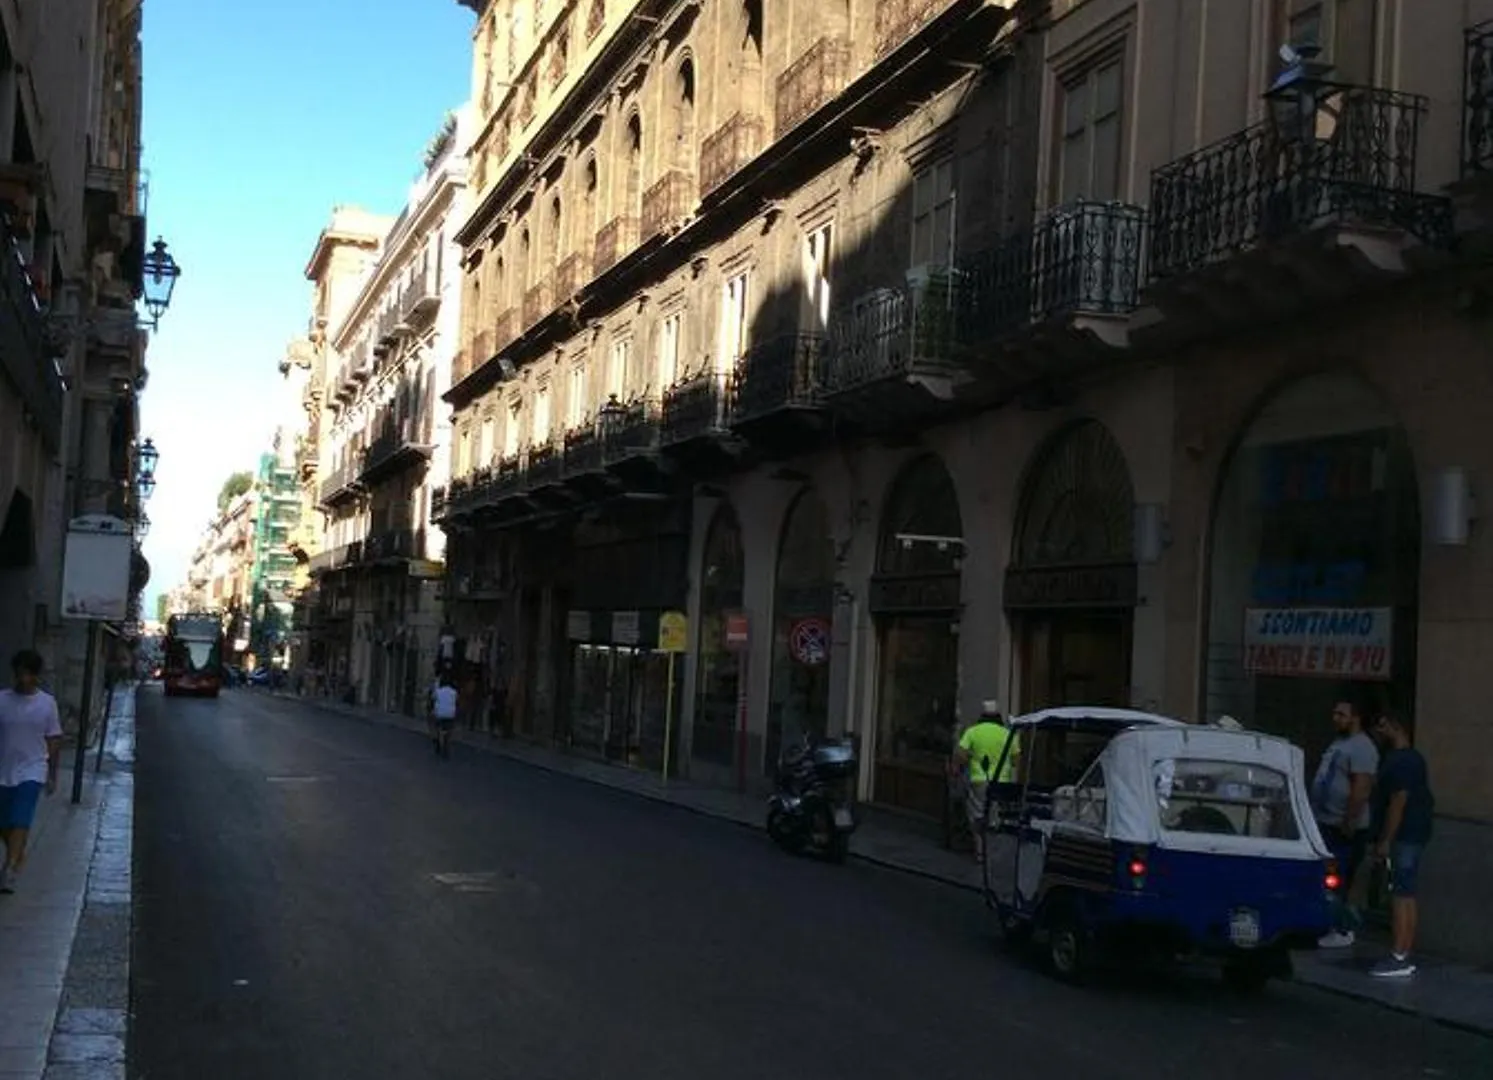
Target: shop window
x=803 y=605
x=1314 y=564
x=722 y=576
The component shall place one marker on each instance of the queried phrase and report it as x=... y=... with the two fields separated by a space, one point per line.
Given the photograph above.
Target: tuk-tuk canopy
x=1202 y=788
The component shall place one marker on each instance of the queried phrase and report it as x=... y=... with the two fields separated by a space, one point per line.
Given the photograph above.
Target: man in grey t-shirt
x=1341 y=794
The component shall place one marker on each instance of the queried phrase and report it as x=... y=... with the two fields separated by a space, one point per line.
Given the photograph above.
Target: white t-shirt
x=27 y=721
x=445 y=702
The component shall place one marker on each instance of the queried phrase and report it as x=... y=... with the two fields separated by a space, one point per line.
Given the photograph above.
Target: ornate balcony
x=616 y=239
x=1059 y=292
x=391 y=545
x=583 y=452
x=898 y=20
x=421 y=297
x=539 y=301
x=394 y=450
x=438 y=502
x=785 y=374
x=507 y=482
x=341 y=484
x=694 y=409
x=629 y=432
x=811 y=82
x=546 y=466
x=1477 y=100
x=571 y=276
x=736 y=142
x=666 y=204
x=27 y=359
x=1276 y=219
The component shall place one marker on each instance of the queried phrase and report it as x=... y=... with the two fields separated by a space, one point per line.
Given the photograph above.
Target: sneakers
x=1338 y=939
x=7 y=880
x=1395 y=967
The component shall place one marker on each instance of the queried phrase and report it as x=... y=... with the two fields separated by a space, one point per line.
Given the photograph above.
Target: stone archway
x=803 y=613
x=718 y=686
x=1071 y=588
x=1314 y=563
x=915 y=601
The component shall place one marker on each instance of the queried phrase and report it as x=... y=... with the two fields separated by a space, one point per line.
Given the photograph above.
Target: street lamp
x=145 y=468
x=1302 y=96
x=160 y=273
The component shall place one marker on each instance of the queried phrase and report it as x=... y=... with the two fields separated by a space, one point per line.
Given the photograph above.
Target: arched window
x=722 y=580
x=590 y=188
x=526 y=259
x=803 y=607
x=635 y=165
x=684 y=117
x=556 y=233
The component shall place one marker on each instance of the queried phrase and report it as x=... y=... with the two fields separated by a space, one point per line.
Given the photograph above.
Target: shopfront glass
x=718 y=678
x=915 y=602
x=1315 y=564
x=803 y=601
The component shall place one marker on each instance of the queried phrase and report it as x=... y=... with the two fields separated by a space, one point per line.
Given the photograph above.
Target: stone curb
x=414 y=727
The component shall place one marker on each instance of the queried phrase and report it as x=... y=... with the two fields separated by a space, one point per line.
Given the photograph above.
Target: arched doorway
x=915 y=601
x=718 y=677
x=1071 y=588
x=802 y=614
x=1314 y=567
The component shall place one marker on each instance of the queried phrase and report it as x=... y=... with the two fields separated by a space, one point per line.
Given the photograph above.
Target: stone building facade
x=74 y=234
x=385 y=359
x=922 y=353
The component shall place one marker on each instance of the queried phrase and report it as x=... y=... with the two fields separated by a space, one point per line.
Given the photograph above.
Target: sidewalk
x=74 y=856
x=1452 y=994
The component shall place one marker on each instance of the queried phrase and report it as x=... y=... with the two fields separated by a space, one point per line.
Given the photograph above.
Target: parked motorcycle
x=810 y=808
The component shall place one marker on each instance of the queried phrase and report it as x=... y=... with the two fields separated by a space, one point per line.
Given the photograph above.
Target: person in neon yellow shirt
x=979 y=756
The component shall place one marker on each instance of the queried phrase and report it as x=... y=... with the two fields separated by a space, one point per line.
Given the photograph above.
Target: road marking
x=296 y=779
x=485 y=881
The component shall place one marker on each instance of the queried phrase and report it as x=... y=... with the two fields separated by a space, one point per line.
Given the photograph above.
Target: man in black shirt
x=1403 y=813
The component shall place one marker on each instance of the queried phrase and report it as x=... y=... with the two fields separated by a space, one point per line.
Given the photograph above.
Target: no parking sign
x=808 y=641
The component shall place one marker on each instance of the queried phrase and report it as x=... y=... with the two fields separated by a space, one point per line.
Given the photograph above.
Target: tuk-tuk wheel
x=1067 y=946
x=1015 y=931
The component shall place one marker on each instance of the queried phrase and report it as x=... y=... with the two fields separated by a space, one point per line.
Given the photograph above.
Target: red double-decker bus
x=193 y=654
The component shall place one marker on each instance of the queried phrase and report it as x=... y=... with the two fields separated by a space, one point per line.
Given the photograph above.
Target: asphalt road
x=321 y=897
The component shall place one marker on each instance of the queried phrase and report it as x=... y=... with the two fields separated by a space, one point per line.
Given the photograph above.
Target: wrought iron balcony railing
x=396 y=446
x=438 y=503
x=784 y=373
x=1477 y=100
x=1265 y=183
x=546 y=465
x=616 y=239
x=539 y=301
x=898 y=20
x=811 y=81
x=23 y=341
x=507 y=480
x=571 y=276
x=628 y=431
x=396 y=543
x=734 y=144
x=694 y=408
x=666 y=204
x=341 y=482
x=583 y=453
x=1082 y=259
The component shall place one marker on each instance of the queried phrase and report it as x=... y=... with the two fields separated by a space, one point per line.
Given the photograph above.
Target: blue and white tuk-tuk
x=1128 y=835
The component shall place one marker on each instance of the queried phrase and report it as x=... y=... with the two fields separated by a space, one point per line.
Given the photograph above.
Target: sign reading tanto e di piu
x=1336 y=643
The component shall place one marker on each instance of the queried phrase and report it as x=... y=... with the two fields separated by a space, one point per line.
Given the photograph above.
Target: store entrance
x=1075 y=658
x=619 y=704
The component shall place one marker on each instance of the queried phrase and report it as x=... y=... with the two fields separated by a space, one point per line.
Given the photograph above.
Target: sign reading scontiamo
x=1333 y=643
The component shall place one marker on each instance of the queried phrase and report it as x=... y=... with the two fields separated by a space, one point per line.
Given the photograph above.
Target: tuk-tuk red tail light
x=1332 y=880
x=1137 y=868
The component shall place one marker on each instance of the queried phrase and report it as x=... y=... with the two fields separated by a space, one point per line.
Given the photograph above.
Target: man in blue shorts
x=30 y=744
x=1404 y=809
x=443 y=707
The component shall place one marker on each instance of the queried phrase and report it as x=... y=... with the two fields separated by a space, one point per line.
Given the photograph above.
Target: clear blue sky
x=259 y=118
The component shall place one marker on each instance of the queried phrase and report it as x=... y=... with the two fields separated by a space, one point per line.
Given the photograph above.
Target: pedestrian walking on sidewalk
x=977 y=758
x=443 y=705
x=30 y=747
x=1340 y=800
x=1403 y=812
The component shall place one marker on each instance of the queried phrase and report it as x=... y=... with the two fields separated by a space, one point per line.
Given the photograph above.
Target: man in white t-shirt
x=30 y=744
x=443 y=702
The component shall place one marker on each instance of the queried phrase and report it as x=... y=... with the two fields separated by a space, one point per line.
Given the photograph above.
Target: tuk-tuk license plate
x=1244 y=929
x=843 y=820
